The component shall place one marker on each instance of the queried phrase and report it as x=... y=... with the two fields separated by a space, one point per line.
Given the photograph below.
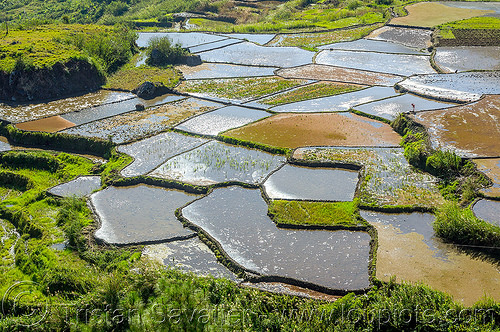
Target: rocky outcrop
x=149 y=90
x=75 y=76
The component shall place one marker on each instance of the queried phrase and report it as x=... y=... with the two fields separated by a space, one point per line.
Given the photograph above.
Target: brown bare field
x=429 y=14
x=50 y=124
x=338 y=74
x=317 y=129
x=472 y=130
x=490 y=167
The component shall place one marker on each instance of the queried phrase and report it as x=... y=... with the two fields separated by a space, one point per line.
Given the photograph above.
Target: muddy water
x=149 y=153
x=100 y=112
x=50 y=125
x=81 y=186
x=417 y=38
x=465 y=58
x=222 y=70
x=488 y=210
x=337 y=103
x=490 y=167
x=372 y=46
x=471 y=130
x=398 y=64
x=335 y=129
x=324 y=184
x=189 y=255
x=389 y=108
x=461 y=87
x=254 y=55
x=215 y=122
x=217 y=162
x=339 y=74
x=237 y=219
x=491 y=6
x=27 y=112
x=408 y=250
x=139 y=214
x=135 y=125
x=185 y=39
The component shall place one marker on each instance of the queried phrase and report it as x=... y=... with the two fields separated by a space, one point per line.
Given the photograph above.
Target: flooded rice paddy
x=389 y=108
x=135 y=125
x=254 y=55
x=408 y=250
x=215 y=122
x=217 y=162
x=260 y=39
x=488 y=210
x=460 y=87
x=81 y=186
x=339 y=74
x=190 y=255
x=415 y=38
x=397 y=64
x=237 y=219
x=151 y=152
x=490 y=167
x=185 y=39
x=465 y=58
x=28 y=112
x=386 y=177
x=337 y=103
x=312 y=183
x=101 y=112
x=4 y=144
x=368 y=45
x=338 y=129
x=139 y=215
x=470 y=130
x=213 y=46
x=223 y=70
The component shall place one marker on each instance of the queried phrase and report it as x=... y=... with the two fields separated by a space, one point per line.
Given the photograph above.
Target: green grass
x=458 y=225
x=311 y=91
x=343 y=214
x=239 y=88
x=130 y=77
x=475 y=23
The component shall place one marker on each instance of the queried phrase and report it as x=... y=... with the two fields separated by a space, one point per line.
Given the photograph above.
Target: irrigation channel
x=230 y=173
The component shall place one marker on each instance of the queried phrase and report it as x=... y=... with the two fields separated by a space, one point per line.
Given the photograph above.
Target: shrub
x=161 y=52
x=445 y=164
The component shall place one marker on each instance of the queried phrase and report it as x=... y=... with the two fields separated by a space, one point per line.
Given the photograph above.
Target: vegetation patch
x=343 y=214
x=458 y=225
x=312 y=91
x=239 y=88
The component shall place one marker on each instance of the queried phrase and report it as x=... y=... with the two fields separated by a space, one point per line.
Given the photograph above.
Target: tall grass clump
x=161 y=52
x=459 y=225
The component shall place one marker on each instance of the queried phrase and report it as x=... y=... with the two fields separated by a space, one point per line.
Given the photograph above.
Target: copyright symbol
x=22 y=301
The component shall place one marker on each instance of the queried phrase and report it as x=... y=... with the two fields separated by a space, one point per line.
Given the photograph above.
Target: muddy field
x=470 y=130
x=337 y=129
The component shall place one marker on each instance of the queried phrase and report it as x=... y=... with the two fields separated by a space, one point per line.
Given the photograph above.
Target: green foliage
x=343 y=214
x=445 y=164
x=21 y=159
x=72 y=217
x=160 y=52
x=459 y=225
x=15 y=181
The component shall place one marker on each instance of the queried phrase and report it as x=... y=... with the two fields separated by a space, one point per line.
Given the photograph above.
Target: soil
x=429 y=14
x=472 y=130
x=490 y=167
x=75 y=76
x=407 y=257
x=336 y=129
x=50 y=125
x=338 y=74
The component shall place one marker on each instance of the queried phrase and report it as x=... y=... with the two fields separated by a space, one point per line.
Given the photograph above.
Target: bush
x=161 y=52
x=445 y=164
x=461 y=226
